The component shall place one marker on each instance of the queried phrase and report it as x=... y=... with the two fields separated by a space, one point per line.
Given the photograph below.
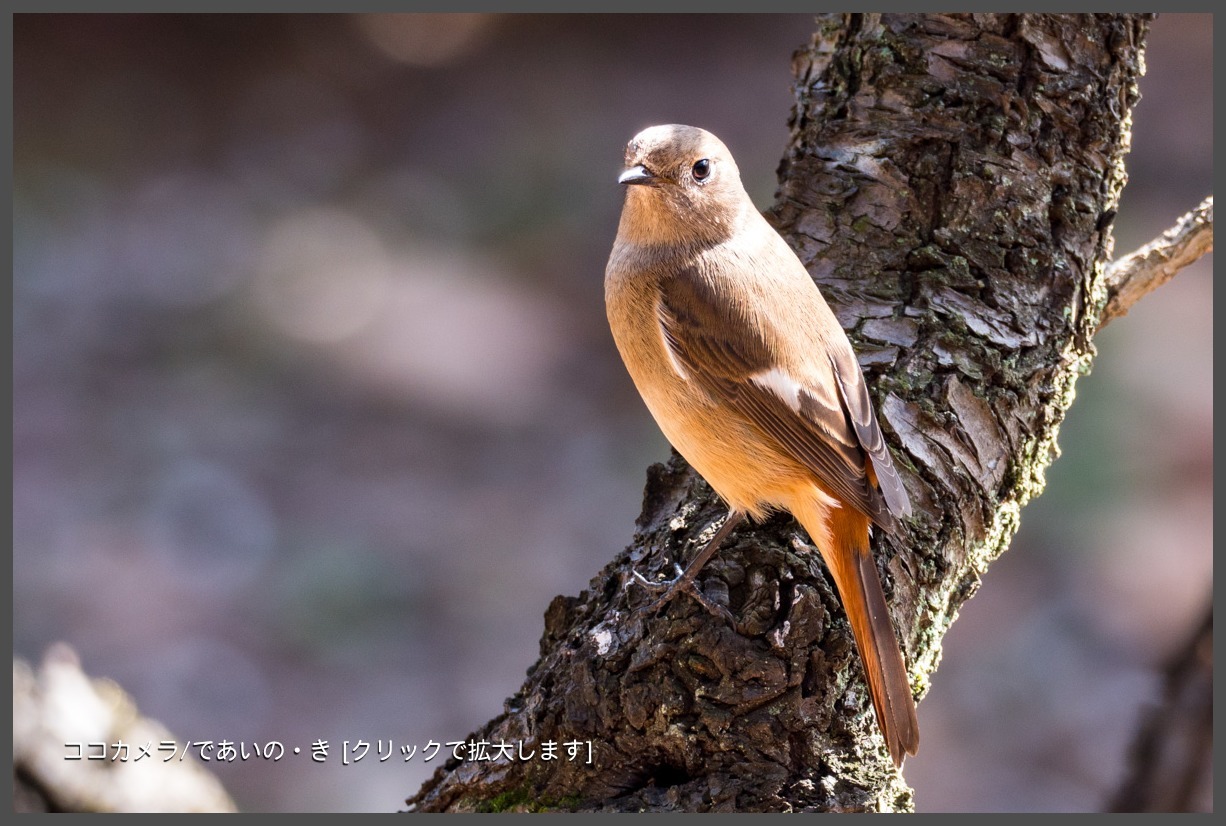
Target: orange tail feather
x=855 y=576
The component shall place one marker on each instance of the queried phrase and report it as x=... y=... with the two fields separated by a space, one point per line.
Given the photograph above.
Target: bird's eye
x=701 y=170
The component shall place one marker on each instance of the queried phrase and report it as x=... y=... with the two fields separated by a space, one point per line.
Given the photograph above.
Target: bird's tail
x=850 y=561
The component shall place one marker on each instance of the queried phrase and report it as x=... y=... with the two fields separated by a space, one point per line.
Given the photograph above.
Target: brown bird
x=750 y=376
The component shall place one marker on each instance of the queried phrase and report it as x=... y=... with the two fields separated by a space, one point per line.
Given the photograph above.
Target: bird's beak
x=637 y=175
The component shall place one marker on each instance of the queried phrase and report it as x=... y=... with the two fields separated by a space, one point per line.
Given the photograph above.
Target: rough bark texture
x=950 y=184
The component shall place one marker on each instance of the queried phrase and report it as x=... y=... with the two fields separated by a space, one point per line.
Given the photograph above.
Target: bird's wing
x=829 y=431
x=853 y=391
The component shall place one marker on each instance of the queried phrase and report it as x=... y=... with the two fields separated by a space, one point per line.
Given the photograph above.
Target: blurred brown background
x=316 y=408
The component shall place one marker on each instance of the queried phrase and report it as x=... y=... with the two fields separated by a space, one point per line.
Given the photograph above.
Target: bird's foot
x=667 y=588
x=662 y=584
x=671 y=587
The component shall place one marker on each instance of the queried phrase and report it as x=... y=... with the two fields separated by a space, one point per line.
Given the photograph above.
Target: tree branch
x=54 y=771
x=1173 y=750
x=1141 y=272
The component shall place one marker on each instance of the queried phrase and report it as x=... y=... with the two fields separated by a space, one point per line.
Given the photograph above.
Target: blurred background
x=315 y=406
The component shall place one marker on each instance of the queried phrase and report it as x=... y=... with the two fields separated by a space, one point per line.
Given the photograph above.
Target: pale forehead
x=674 y=140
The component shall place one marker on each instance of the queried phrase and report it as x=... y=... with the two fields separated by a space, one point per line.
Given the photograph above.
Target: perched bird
x=752 y=379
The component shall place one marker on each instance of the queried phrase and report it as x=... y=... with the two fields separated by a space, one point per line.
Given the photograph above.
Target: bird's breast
x=748 y=472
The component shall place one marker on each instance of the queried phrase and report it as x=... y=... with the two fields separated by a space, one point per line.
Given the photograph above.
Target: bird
x=750 y=376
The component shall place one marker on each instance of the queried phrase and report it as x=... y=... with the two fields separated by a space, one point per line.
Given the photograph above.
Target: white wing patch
x=781 y=384
x=668 y=350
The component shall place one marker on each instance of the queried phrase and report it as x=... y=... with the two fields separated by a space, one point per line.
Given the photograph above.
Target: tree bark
x=950 y=183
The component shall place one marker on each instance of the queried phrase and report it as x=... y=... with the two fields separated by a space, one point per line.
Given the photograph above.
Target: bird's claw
x=672 y=587
x=661 y=585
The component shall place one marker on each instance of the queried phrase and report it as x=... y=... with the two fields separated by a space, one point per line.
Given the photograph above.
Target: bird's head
x=682 y=187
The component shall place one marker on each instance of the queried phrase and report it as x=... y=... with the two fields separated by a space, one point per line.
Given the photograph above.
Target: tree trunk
x=950 y=184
